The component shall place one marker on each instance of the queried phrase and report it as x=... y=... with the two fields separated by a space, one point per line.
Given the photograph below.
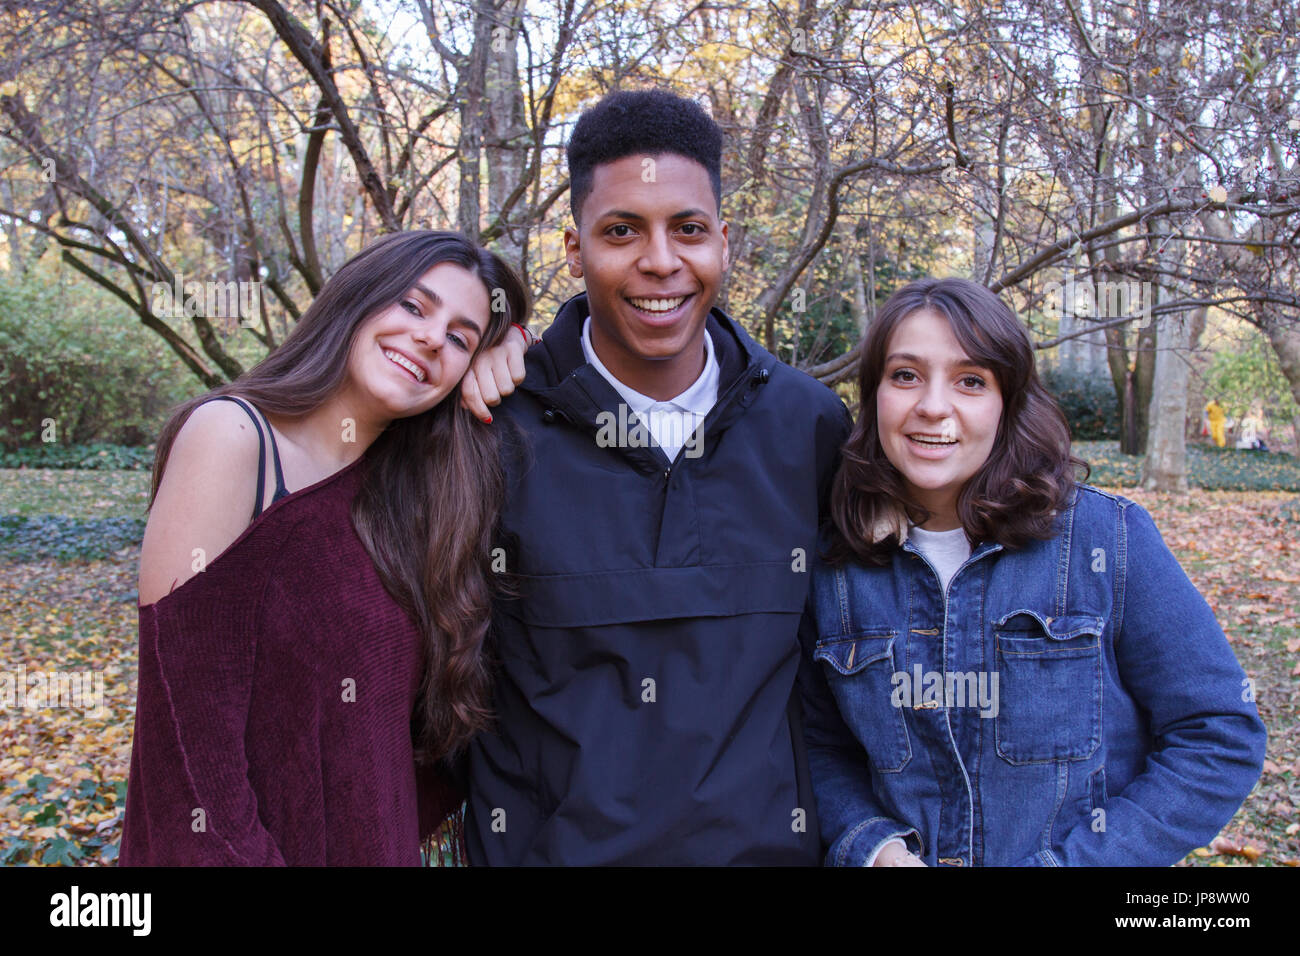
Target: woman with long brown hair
x=1010 y=667
x=312 y=617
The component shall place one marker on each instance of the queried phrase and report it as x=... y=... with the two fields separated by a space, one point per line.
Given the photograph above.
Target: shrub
x=75 y=367
x=1088 y=402
x=97 y=457
x=1247 y=372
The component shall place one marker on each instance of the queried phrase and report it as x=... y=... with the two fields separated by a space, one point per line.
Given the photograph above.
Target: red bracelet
x=528 y=337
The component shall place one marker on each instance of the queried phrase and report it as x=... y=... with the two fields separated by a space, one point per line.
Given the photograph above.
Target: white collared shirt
x=672 y=422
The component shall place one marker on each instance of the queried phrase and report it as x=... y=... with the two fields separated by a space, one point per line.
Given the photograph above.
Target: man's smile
x=660 y=307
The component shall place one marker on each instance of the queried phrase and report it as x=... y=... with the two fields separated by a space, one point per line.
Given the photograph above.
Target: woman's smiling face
x=937 y=412
x=407 y=357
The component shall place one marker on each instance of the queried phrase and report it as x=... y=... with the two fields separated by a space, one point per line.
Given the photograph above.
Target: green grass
x=1214 y=469
x=82 y=495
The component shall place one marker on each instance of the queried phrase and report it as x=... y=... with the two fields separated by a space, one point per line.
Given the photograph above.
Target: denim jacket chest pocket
x=1049 y=686
x=860 y=670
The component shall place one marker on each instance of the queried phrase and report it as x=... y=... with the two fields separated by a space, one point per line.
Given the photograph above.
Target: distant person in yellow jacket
x=1215 y=413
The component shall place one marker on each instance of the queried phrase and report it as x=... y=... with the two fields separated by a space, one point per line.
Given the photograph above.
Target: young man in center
x=666 y=476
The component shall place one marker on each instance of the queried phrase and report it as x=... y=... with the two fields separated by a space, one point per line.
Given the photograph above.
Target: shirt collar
x=698 y=398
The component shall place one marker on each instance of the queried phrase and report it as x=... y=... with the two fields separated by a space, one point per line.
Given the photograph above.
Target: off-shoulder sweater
x=277 y=689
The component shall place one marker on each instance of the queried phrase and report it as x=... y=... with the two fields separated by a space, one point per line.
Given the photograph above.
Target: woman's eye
x=411 y=307
x=903 y=375
x=460 y=341
x=972 y=381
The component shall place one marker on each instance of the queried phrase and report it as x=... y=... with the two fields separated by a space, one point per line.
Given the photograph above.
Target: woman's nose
x=935 y=402
x=431 y=333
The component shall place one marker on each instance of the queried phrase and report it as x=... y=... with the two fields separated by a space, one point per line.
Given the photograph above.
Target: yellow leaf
x=1218 y=194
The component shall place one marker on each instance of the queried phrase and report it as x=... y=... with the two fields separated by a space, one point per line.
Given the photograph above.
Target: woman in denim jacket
x=1024 y=674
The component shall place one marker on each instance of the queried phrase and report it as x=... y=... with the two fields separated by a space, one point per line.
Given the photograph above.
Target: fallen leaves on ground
x=63 y=769
x=63 y=772
x=1242 y=550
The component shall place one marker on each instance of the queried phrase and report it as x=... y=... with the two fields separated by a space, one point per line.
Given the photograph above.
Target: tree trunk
x=1165 y=468
x=507 y=129
x=471 y=85
x=1285 y=339
x=1128 y=437
x=857 y=282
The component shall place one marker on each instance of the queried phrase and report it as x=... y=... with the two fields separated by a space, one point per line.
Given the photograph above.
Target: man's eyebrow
x=621 y=214
x=437 y=300
x=637 y=217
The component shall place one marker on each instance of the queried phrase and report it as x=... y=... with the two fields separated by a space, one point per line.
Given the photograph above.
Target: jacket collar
x=559 y=376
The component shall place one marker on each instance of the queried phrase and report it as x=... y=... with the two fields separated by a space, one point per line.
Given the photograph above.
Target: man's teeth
x=658 y=305
x=406 y=363
x=931 y=440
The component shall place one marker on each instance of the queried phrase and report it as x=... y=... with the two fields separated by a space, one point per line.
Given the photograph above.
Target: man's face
x=652 y=252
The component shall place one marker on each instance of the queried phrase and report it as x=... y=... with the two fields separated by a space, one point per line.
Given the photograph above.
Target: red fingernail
x=488 y=420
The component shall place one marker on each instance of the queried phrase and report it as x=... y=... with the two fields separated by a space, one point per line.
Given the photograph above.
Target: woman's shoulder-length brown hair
x=1029 y=475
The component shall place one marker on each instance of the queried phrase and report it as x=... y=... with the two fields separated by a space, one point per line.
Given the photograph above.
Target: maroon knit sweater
x=276 y=693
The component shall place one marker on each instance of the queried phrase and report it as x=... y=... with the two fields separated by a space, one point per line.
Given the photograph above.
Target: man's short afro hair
x=641 y=122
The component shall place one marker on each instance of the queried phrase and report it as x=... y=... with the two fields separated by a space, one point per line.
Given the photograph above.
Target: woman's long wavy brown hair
x=1029 y=475
x=433 y=486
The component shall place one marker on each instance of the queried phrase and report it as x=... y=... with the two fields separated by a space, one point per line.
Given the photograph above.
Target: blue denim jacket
x=1072 y=702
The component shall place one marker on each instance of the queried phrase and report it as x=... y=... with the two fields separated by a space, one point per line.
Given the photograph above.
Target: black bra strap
x=261 y=451
x=280 y=489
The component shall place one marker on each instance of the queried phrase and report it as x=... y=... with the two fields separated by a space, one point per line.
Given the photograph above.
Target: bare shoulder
x=205 y=499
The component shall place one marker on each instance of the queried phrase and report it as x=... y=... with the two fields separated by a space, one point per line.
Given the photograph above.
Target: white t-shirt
x=946 y=550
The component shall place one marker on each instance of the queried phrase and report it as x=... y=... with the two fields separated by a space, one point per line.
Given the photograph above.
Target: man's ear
x=726 y=249
x=573 y=251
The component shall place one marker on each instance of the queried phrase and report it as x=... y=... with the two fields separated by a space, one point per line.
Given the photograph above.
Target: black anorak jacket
x=646 y=701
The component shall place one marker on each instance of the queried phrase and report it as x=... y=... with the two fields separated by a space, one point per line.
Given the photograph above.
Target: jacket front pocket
x=860 y=671
x=1049 y=693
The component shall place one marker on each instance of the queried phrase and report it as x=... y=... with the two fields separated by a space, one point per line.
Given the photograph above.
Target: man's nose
x=660 y=256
